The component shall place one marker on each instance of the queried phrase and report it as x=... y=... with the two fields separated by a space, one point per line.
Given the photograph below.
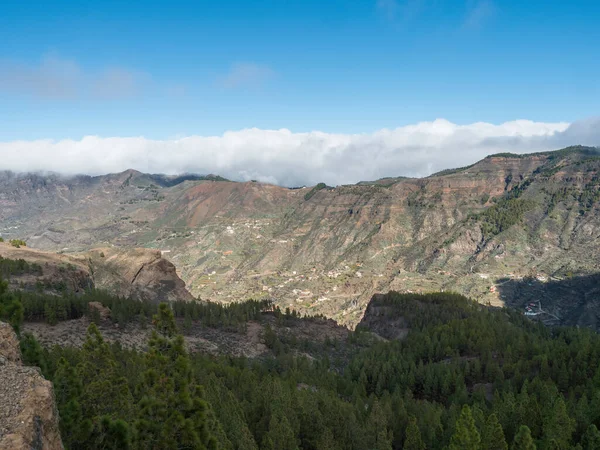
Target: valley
x=505 y=221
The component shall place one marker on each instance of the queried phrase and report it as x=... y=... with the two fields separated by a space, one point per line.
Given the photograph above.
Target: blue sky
x=167 y=69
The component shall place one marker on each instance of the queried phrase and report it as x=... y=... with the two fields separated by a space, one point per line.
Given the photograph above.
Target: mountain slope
x=507 y=217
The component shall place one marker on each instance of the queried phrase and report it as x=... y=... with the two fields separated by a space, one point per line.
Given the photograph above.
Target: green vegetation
x=507 y=155
x=465 y=377
x=39 y=307
x=18 y=243
x=444 y=172
x=314 y=190
x=505 y=212
x=11 y=309
x=590 y=194
x=10 y=267
x=501 y=216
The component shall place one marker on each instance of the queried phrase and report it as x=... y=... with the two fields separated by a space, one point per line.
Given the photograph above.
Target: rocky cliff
x=28 y=414
x=137 y=273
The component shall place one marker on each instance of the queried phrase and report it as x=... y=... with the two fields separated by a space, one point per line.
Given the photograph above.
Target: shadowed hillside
x=573 y=301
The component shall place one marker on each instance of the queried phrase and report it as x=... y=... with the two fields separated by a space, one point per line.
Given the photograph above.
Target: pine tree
x=229 y=414
x=187 y=323
x=67 y=390
x=32 y=353
x=105 y=392
x=558 y=426
x=327 y=441
x=11 y=309
x=172 y=412
x=466 y=436
x=109 y=434
x=380 y=437
x=523 y=440
x=413 y=439
x=280 y=435
x=591 y=438
x=493 y=437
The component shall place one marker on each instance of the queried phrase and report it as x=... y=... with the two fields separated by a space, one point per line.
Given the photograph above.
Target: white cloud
x=246 y=74
x=56 y=78
x=291 y=159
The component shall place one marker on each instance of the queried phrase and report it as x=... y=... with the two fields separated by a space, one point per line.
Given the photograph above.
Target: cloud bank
x=294 y=159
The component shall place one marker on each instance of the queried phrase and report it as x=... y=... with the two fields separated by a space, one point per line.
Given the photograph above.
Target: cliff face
x=28 y=416
x=505 y=217
x=138 y=273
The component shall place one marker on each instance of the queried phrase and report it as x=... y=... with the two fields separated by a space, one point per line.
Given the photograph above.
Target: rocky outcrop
x=138 y=273
x=48 y=270
x=28 y=414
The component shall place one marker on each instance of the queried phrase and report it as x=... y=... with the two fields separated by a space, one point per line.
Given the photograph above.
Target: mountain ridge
x=516 y=216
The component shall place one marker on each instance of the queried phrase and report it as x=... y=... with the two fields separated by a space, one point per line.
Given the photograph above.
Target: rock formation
x=138 y=273
x=28 y=414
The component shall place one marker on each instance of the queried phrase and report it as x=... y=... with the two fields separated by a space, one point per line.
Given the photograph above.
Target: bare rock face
x=28 y=414
x=103 y=312
x=139 y=273
x=9 y=344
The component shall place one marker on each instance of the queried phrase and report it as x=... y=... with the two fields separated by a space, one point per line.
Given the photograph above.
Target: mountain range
x=515 y=230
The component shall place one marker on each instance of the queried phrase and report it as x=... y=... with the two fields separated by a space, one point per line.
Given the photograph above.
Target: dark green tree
x=105 y=392
x=379 y=435
x=67 y=389
x=109 y=434
x=280 y=435
x=492 y=437
x=327 y=441
x=523 y=440
x=466 y=436
x=591 y=438
x=413 y=440
x=172 y=411
x=558 y=426
x=187 y=323
x=11 y=309
x=32 y=353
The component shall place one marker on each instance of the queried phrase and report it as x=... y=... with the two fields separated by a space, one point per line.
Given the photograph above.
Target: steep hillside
x=507 y=217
